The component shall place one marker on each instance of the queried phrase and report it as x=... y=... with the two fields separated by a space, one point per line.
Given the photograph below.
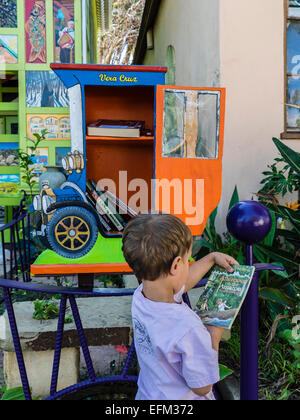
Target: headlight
x=46 y=202
x=68 y=163
x=65 y=164
x=37 y=203
x=71 y=161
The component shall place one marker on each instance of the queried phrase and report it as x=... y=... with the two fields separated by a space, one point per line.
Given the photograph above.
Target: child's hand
x=216 y=334
x=225 y=261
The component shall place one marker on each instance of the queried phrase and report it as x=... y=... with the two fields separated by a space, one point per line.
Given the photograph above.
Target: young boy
x=178 y=356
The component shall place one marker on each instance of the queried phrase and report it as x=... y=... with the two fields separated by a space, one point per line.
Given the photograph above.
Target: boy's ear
x=175 y=264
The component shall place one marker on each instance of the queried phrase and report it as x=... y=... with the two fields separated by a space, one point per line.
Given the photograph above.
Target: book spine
x=107 y=227
x=101 y=216
x=104 y=209
x=120 y=204
x=92 y=196
x=112 y=207
x=118 y=207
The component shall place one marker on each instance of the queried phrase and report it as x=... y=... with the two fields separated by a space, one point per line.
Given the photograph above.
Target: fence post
x=249 y=222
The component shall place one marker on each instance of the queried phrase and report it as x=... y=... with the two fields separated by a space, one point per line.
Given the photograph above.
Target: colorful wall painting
x=40 y=161
x=8 y=49
x=9 y=154
x=57 y=125
x=35 y=31
x=8 y=14
x=44 y=89
x=64 y=31
x=9 y=184
x=61 y=152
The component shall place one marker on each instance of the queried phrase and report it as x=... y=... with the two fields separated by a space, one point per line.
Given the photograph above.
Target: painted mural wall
x=33 y=34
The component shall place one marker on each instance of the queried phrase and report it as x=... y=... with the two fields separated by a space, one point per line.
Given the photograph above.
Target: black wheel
x=72 y=232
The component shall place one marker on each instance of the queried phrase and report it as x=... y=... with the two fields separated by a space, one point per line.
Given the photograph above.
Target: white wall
x=192 y=28
x=252 y=70
x=237 y=44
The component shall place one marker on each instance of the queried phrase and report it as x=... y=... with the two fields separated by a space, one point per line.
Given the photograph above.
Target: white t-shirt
x=174 y=351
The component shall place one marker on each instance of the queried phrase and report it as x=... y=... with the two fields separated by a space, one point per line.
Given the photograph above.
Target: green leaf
x=203 y=242
x=289 y=155
x=289 y=235
x=286 y=258
x=224 y=372
x=276 y=296
x=14 y=394
x=259 y=255
x=37 y=136
x=269 y=239
x=234 y=199
x=212 y=219
x=283 y=274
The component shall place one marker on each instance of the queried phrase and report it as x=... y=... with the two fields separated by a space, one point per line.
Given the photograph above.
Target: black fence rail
x=15 y=246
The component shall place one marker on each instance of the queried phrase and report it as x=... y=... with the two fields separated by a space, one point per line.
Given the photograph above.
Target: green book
x=224 y=295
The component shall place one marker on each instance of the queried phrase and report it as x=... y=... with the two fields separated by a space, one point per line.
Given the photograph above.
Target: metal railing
x=249 y=312
x=15 y=246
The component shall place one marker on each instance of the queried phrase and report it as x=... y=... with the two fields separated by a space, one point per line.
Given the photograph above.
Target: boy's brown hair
x=151 y=242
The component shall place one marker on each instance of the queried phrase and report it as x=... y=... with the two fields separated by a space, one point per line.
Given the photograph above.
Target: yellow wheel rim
x=72 y=233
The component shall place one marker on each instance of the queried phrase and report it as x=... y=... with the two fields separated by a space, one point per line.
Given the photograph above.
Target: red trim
x=79 y=269
x=100 y=67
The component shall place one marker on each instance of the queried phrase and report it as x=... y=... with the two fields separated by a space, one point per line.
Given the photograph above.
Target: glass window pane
x=63 y=15
x=8 y=14
x=9 y=86
x=294 y=8
x=293 y=47
x=293 y=103
x=174 y=113
x=191 y=124
x=208 y=125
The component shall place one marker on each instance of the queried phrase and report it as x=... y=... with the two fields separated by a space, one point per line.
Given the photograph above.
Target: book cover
x=224 y=295
x=115 y=128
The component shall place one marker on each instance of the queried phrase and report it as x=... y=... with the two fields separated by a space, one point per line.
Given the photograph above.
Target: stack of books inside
x=118 y=128
x=113 y=213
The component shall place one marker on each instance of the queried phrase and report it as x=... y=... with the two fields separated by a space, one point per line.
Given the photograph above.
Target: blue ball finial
x=249 y=222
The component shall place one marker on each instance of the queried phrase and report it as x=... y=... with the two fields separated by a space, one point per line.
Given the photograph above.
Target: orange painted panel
x=195 y=184
x=43 y=270
x=48 y=270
